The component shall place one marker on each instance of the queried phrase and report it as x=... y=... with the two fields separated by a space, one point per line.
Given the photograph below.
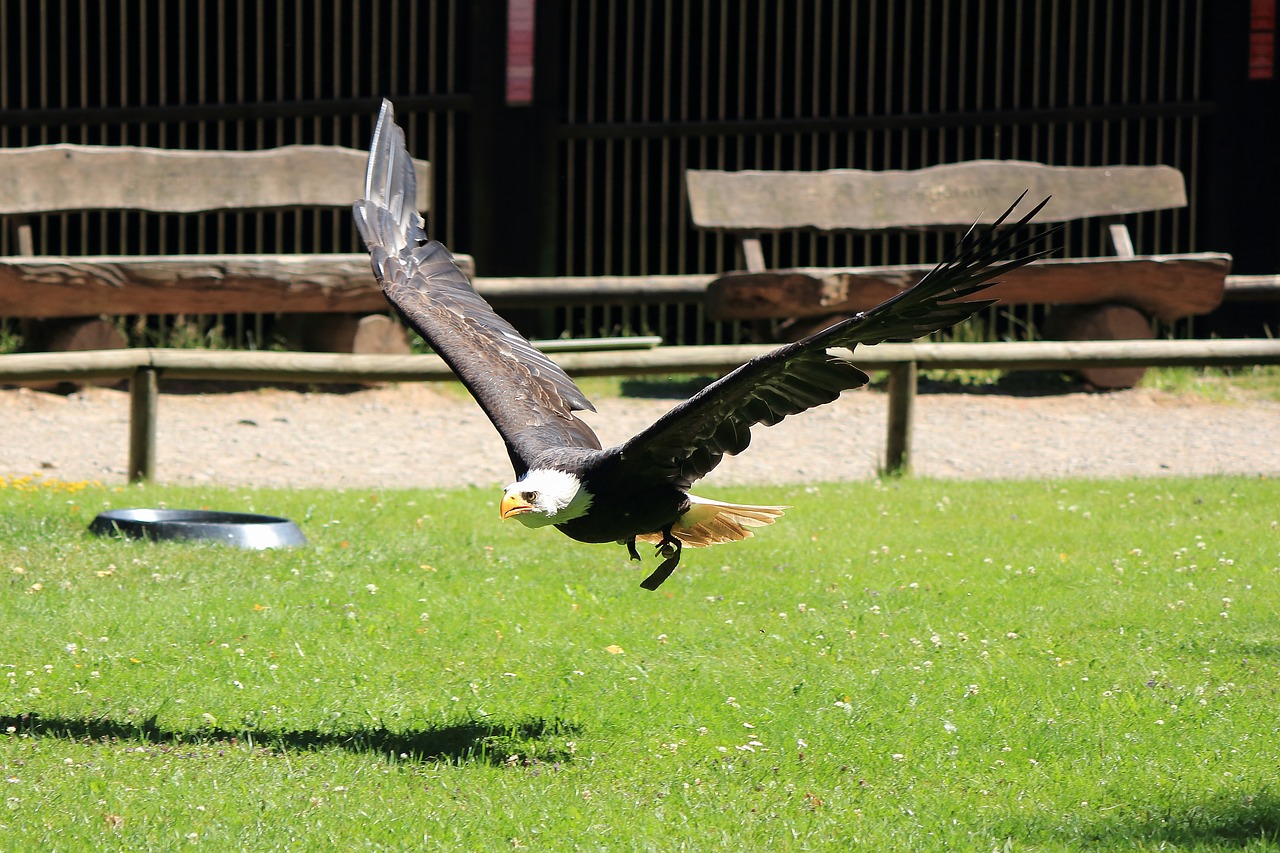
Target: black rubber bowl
x=240 y=529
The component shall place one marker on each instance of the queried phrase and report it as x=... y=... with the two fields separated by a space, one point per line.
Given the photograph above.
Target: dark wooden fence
x=585 y=177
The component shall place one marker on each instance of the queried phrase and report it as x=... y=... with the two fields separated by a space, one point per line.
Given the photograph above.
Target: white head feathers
x=554 y=497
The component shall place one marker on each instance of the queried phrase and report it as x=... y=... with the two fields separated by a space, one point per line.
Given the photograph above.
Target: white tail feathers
x=711 y=522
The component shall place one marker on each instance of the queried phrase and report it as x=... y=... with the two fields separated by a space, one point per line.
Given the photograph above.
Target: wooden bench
x=1107 y=298
x=64 y=297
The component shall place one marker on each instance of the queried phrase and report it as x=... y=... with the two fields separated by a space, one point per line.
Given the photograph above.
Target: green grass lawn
x=901 y=666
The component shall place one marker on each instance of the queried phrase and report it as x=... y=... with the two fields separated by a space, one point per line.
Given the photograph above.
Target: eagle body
x=636 y=491
x=620 y=508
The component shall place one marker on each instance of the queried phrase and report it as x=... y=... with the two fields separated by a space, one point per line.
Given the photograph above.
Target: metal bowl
x=240 y=529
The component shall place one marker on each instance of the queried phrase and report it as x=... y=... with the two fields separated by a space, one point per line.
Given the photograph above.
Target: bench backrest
x=953 y=195
x=56 y=178
x=50 y=178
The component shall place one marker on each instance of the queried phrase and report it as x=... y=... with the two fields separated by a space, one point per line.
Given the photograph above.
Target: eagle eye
x=531 y=496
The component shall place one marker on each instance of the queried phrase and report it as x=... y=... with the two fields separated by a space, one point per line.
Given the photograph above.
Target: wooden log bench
x=333 y=301
x=1107 y=298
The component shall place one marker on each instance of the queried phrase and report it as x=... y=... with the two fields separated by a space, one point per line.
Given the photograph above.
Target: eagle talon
x=631 y=549
x=669 y=548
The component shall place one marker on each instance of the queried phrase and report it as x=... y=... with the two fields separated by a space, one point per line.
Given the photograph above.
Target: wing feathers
x=530 y=400
x=392 y=181
x=691 y=439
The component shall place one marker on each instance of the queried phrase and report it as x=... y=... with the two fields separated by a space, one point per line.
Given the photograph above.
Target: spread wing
x=691 y=439
x=530 y=400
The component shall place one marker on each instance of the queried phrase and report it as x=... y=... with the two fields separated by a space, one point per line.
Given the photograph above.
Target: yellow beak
x=513 y=505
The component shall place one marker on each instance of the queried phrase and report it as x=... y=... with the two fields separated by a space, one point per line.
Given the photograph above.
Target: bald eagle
x=637 y=491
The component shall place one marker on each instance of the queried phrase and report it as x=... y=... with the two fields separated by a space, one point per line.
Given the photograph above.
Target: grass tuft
x=1256 y=382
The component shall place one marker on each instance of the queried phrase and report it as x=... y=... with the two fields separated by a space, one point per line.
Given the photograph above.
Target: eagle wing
x=529 y=399
x=690 y=440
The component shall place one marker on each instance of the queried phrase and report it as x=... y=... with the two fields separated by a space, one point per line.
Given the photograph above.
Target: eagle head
x=545 y=496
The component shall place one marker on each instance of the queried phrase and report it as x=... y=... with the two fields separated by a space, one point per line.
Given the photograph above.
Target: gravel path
x=420 y=436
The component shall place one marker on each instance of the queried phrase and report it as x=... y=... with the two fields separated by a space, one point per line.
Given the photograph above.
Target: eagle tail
x=709 y=522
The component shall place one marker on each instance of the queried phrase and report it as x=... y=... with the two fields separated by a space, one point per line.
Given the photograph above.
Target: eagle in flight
x=636 y=491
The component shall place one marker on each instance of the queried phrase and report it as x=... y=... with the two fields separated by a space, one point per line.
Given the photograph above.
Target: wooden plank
x=1018 y=355
x=753 y=254
x=950 y=195
x=306 y=367
x=68 y=366
x=1063 y=355
x=26 y=240
x=1121 y=239
x=188 y=284
x=1165 y=286
x=629 y=342
x=47 y=178
x=538 y=292
x=1033 y=355
x=337 y=367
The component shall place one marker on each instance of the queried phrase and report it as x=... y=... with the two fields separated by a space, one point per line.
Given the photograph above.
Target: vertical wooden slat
x=608 y=149
x=24 y=71
x=451 y=131
x=589 y=215
x=183 y=94
x=1191 y=169
x=297 y=85
x=572 y=217
x=644 y=179
x=691 y=250
x=623 y=180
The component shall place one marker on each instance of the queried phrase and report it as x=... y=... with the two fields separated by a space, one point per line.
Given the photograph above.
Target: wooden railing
x=144 y=367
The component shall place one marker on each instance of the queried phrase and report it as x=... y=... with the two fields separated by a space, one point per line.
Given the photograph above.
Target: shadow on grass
x=532 y=740
x=1221 y=821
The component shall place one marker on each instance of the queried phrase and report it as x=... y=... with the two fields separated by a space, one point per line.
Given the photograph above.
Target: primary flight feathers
x=638 y=489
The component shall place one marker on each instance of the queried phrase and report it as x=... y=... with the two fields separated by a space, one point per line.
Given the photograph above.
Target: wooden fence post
x=902 y=400
x=143 y=396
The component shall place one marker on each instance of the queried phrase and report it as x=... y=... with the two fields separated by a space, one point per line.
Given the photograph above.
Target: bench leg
x=70 y=334
x=1104 y=322
x=902 y=403
x=368 y=334
x=143 y=397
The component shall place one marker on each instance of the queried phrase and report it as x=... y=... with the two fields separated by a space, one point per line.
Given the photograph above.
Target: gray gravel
x=420 y=436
